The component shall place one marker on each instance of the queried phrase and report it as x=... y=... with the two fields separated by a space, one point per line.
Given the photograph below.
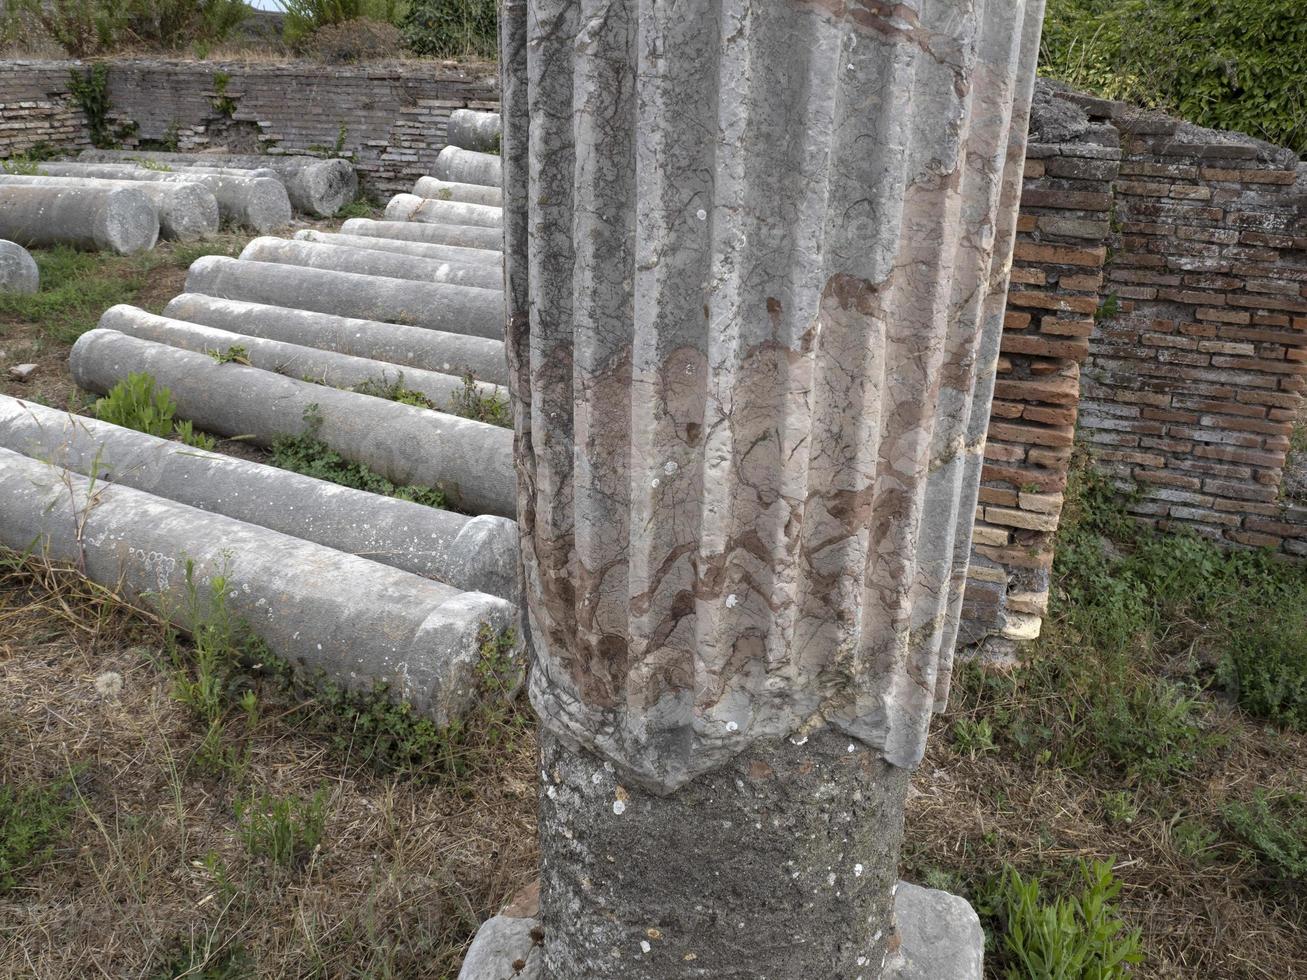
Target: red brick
x=1249 y=176
x=1058 y=198
x=1032 y=435
x=1043 y=347
x=1057 y=391
x=1051 y=301
x=1014 y=320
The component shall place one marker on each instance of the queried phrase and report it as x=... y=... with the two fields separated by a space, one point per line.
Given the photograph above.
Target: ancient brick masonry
x=1160 y=284
x=390 y=119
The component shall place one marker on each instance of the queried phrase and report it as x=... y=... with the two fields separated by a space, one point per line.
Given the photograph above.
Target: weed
x=361 y=207
x=223 y=104
x=32 y=819
x=134 y=403
x=1108 y=308
x=1119 y=807
x=394 y=391
x=235 y=354
x=973 y=738
x=204 y=957
x=91 y=93
x=472 y=402
x=1074 y=937
x=1194 y=839
x=188 y=434
x=307 y=454
x=145 y=163
x=287 y=830
x=1274 y=829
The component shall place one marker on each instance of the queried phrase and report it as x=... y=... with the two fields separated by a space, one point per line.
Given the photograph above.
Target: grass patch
x=32 y=820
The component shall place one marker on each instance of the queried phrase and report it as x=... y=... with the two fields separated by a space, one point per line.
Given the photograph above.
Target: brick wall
x=1158 y=316
x=389 y=118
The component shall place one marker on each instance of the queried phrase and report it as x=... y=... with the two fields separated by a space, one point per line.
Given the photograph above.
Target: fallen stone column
x=753 y=268
x=432 y=350
x=186 y=211
x=371 y=262
x=307 y=363
x=358 y=622
x=316 y=186
x=473 y=554
x=445 y=253
x=448 y=190
x=410 y=207
x=468 y=167
x=97 y=219
x=464 y=236
x=18 y=270
x=254 y=202
x=454 y=309
x=471 y=462
x=470 y=129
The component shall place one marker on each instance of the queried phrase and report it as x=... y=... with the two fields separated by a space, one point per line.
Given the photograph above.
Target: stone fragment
x=470 y=129
x=19 y=273
x=505 y=948
x=359 y=623
x=394 y=343
x=21 y=372
x=473 y=554
x=372 y=262
x=108 y=219
x=467 y=236
x=186 y=211
x=441 y=306
x=471 y=462
x=940 y=937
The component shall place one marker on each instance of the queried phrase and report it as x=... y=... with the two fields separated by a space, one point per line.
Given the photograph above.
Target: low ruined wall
x=389 y=118
x=1159 y=301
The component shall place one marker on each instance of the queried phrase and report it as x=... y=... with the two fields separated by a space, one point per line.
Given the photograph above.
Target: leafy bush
x=305 y=17
x=89 y=27
x=1227 y=64
x=354 y=40
x=1275 y=829
x=81 y=27
x=174 y=23
x=452 y=28
x=135 y=404
x=1076 y=937
x=1266 y=668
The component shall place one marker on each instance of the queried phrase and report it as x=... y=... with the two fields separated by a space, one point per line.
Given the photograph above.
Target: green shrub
x=32 y=819
x=1266 y=669
x=304 y=17
x=1275 y=830
x=1075 y=937
x=452 y=28
x=349 y=41
x=176 y=23
x=286 y=831
x=81 y=27
x=1227 y=64
x=469 y=402
x=134 y=403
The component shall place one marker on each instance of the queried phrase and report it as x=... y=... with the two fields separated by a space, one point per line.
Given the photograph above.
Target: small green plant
x=1265 y=667
x=973 y=738
x=452 y=28
x=1119 y=807
x=360 y=207
x=147 y=164
x=235 y=354
x=394 y=391
x=204 y=956
x=341 y=137
x=1194 y=839
x=32 y=819
x=472 y=402
x=223 y=104
x=307 y=454
x=21 y=165
x=286 y=830
x=91 y=92
x=1274 y=830
x=1108 y=308
x=1075 y=937
x=188 y=434
x=135 y=404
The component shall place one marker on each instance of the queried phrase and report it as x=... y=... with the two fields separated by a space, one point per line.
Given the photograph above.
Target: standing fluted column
x=757 y=253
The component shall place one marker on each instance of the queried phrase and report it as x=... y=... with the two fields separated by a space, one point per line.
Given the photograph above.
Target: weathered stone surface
x=472 y=130
x=315 y=186
x=322 y=367
x=254 y=202
x=109 y=219
x=372 y=262
x=470 y=461
x=21 y=372
x=448 y=190
x=505 y=948
x=442 y=306
x=939 y=936
x=186 y=211
x=426 y=250
x=432 y=350
x=359 y=622
x=18 y=270
x=473 y=554
x=410 y=207
x=468 y=236
x=468 y=167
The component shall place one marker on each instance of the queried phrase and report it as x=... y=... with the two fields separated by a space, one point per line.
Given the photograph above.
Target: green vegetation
x=32 y=820
x=235 y=354
x=134 y=403
x=91 y=92
x=304 y=17
x=470 y=403
x=1274 y=830
x=1072 y=937
x=394 y=391
x=1221 y=63
x=307 y=454
x=286 y=831
x=90 y=27
x=452 y=28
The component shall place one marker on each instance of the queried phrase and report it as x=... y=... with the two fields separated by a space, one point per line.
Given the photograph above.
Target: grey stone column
x=756 y=253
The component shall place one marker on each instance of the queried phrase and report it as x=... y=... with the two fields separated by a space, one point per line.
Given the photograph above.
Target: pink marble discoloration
x=757 y=255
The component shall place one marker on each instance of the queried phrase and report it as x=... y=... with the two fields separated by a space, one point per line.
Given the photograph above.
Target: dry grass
x=153 y=878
